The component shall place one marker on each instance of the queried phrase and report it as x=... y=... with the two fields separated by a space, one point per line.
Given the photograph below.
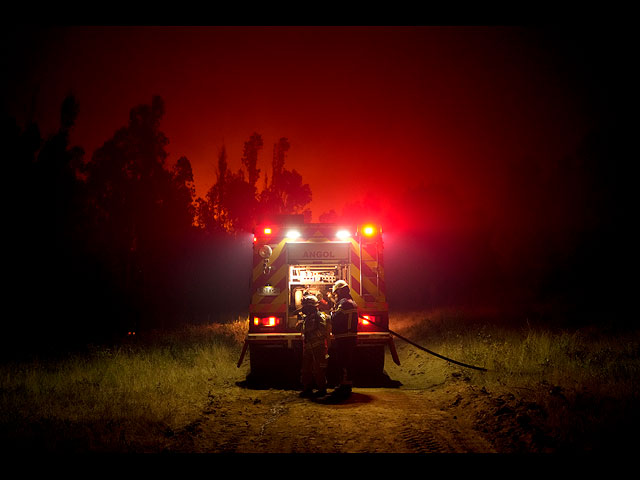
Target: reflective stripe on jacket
x=344 y=319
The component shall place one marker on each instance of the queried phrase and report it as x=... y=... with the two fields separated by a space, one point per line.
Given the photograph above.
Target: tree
x=286 y=194
x=216 y=215
x=250 y=158
x=55 y=269
x=143 y=211
x=55 y=178
x=230 y=203
x=184 y=191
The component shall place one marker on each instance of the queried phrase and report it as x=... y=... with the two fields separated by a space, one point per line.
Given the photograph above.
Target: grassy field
x=133 y=396
x=585 y=380
x=125 y=398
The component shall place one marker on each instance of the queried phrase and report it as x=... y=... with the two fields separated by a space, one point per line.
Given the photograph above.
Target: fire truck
x=292 y=258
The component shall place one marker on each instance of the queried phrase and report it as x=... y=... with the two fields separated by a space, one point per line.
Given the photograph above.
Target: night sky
x=389 y=108
x=489 y=153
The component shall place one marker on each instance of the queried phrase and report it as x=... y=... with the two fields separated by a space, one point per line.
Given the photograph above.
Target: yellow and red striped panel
x=276 y=278
x=373 y=287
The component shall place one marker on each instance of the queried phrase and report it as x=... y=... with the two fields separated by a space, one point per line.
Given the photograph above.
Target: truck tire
x=258 y=360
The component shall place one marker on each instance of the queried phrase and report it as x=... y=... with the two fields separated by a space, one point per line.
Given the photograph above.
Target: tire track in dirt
x=423 y=442
x=373 y=420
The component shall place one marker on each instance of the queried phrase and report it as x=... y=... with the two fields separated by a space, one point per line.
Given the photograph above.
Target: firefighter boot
x=344 y=391
x=306 y=393
x=320 y=393
x=340 y=394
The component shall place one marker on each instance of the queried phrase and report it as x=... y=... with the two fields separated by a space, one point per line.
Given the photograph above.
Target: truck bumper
x=288 y=340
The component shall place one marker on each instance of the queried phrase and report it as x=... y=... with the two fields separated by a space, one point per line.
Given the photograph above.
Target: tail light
x=266 y=321
x=372 y=323
x=366 y=319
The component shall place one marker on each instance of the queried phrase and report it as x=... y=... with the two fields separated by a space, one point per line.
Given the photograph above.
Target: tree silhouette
x=216 y=196
x=142 y=211
x=230 y=203
x=214 y=214
x=55 y=275
x=233 y=205
x=250 y=158
x=56 y=178
x=183 y=192
x=120 y=241
x=286 y=194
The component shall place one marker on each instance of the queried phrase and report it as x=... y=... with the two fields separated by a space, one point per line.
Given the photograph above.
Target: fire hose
x=420 y=347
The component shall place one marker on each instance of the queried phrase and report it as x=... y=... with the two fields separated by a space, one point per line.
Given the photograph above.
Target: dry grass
x=116 y=396
x=585 y=380
x=131 y=398
x=523 y=355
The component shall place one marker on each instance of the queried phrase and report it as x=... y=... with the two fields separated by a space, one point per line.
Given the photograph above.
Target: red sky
x=387 y=108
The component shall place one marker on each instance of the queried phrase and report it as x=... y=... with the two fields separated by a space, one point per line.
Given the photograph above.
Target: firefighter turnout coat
x=316 y=329
x=344 y=319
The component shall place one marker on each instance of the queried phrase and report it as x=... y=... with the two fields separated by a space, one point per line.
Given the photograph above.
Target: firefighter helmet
x=310 y=300
x=339 y=285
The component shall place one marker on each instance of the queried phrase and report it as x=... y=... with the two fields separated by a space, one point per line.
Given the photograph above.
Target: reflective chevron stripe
x=276 y=278
x=366 y=275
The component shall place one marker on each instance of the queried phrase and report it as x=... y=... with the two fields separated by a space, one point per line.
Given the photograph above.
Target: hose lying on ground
x=429 y=351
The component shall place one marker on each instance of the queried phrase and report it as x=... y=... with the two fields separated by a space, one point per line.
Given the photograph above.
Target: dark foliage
x=118 y=243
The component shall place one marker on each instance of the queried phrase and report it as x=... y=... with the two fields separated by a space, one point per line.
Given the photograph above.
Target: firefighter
x=344 y=326
x=316 y=331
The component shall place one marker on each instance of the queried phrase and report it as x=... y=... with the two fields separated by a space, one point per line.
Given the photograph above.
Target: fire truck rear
x=292 y=259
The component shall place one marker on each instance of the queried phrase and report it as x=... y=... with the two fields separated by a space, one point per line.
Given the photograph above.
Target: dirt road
x=372 y=421
x=443 y=419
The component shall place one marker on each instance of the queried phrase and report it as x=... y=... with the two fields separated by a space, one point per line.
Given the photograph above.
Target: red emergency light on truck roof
x=370 y=230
